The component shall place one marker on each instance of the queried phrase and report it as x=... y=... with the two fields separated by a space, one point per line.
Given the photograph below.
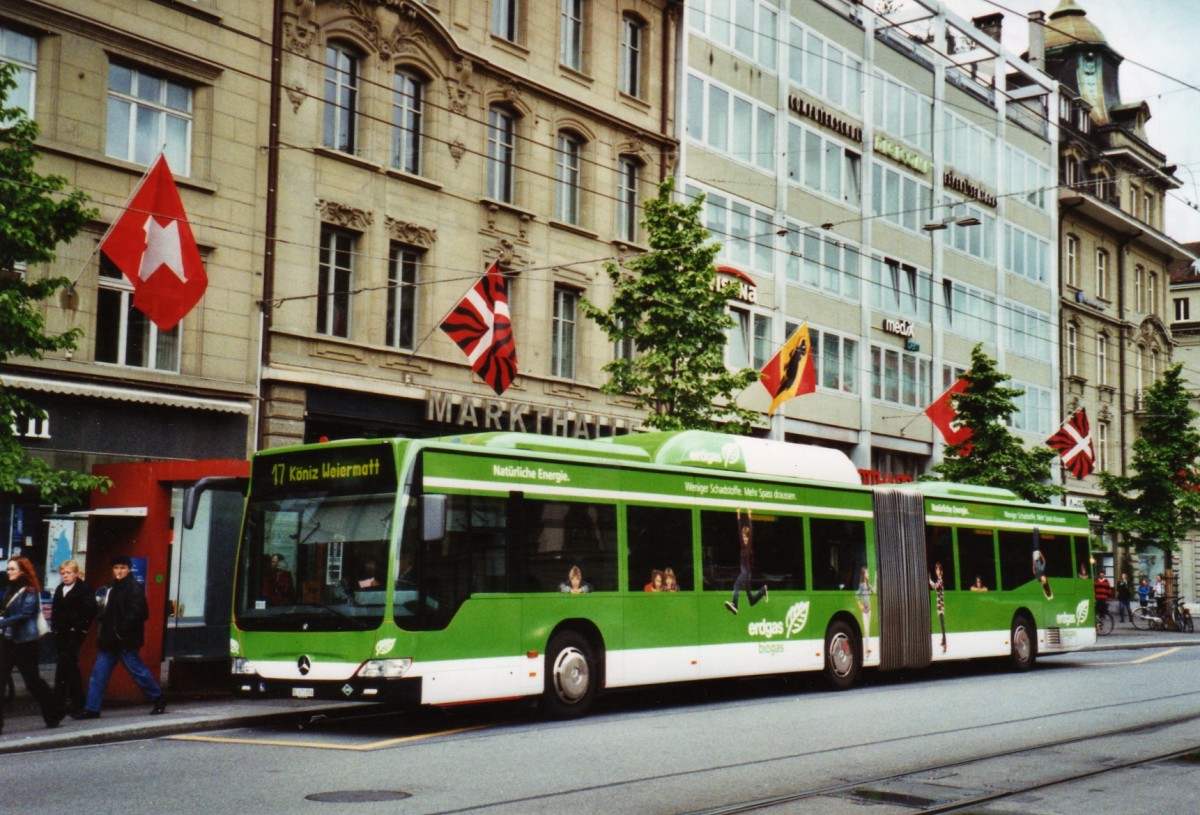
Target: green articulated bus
x=505 y=565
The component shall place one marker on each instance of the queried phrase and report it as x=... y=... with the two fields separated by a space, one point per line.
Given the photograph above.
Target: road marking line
x=1167 y=652
x=323 y=745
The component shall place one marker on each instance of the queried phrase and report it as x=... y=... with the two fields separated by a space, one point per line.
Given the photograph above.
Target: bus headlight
x=241 y=666
x=384 y=668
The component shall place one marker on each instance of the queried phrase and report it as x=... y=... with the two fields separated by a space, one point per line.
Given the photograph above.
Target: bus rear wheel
x=1024 y=643
x=570 y=676
x=843 y=655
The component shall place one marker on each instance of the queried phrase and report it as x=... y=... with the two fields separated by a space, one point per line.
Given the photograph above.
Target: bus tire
x=843 y=655
x=571 y=676
x=1024 y=643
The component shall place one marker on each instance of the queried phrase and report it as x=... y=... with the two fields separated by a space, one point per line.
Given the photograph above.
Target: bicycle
x=1144 y=617
x=1181 y=618
x=1104 y=621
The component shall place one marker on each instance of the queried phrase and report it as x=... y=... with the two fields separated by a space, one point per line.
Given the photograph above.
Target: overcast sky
x=1157 y=38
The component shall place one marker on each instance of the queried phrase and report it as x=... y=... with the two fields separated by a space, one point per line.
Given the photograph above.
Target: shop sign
x=902 y=328
x=825 y=118
x=479 y=414
x=968 y=188
x=33 y=429
x=744 y=287
x=870 y=478
x=906 y=156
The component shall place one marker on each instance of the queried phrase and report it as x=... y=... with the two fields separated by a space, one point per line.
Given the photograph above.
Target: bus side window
x=977 y=556
x=661 y=538
x=562 y=534
x=1016 y=558
x=839 y=551
x=939 y=548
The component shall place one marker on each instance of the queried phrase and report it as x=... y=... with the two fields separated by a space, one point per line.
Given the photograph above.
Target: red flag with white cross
x=153 y=246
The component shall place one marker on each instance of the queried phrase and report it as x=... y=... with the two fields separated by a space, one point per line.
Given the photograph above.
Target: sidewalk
x=24 y=730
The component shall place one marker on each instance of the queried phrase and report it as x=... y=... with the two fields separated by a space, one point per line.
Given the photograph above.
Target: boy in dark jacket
x=122 y=616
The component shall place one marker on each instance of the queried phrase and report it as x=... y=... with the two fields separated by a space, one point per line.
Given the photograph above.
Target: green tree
x=667 y=303
x=993 y=456
x=35 y=216
x=1157 y=505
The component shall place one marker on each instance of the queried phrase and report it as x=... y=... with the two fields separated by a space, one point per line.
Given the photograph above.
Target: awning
x=109 y=512
x=165 y=398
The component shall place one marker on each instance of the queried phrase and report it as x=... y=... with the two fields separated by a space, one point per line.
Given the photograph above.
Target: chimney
x=990 y=24
x=1037 y=39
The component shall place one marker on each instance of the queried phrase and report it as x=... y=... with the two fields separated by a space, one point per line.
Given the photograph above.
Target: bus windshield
x=315 y=541
x=314 y=563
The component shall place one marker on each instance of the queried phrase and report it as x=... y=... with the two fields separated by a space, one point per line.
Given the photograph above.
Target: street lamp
x=967 y=220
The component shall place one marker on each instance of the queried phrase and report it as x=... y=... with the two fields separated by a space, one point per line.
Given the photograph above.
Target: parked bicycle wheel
x=1104 y=624
x=1185 y=622
x=1141 y=618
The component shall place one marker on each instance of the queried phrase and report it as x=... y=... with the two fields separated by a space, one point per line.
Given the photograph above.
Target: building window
x=900 y=289
x=335 y=275
x=971 y=313
x=504 y=19
x=824 y=166
x=749 y=341
x=632 y=38
x=1029 y=331
x=1102 y=359
x=1148 y=208
x=1071 y=272
x=816 y=261
x=404 y=272
x=408 y=102
x=730 y=123
x=1152 y=292
x=563 y=324
x=900 y=378
x=1028 y=255
x=567 y=179
x=1153 y=368
x=1032 y=409
x=126 y=336
x=1101 y=446
x=629 y=176
x=1139 y=288
x=834 y=358
x=148 y=114
x=1072 y=350
x=625 y=348
x=20 y=50
x=571 y=34
x=502 y=149
x=341 y=98
x=1135 y=199
x=1183 y=309
x=900 y=199
x=1102 y=274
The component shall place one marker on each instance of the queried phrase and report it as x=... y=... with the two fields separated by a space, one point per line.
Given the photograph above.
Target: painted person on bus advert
x=746 y=563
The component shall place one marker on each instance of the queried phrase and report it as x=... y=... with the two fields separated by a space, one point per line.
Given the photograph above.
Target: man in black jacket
x=122 y=616
x=74 y=609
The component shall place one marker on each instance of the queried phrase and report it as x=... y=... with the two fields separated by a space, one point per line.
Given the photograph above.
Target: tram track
x=874 y=787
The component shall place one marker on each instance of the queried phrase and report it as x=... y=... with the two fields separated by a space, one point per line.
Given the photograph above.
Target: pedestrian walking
x=122 y=614
x=1124 y=595
x=71 y=616
x=19 y=643
x=1104 y=592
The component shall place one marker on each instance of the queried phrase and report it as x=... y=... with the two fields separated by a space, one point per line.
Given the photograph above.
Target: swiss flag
x=481 y=325
x=945 y=417
x=152 y=245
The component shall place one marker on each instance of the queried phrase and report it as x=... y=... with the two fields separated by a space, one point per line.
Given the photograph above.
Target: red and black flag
x=482 y=327
x=790 y=372
x=1073 y=441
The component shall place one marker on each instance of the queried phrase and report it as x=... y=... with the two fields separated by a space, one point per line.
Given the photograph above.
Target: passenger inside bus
x=575 y=583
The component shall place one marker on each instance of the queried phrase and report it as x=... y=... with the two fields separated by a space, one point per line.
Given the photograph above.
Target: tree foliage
x=668 y=304
x=35 y=216
x=1160 y=502
x=993 y=456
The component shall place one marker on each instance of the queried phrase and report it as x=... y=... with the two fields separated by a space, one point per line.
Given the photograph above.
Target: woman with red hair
x=19 y=637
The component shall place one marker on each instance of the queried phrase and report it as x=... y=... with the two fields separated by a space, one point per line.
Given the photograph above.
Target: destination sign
x=338 y=469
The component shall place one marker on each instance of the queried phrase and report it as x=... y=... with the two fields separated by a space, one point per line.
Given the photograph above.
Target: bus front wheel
x=1024 y=643
x=570 y=676
x=843 y=655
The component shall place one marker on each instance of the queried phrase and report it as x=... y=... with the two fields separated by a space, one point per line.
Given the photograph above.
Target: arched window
x=408 y=111
x=502 y=154
x=629 y=179
x=342 y=67
x=1071 y=272
x=568 y=162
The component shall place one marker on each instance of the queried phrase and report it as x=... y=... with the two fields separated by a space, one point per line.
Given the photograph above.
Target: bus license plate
x=303 y=693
